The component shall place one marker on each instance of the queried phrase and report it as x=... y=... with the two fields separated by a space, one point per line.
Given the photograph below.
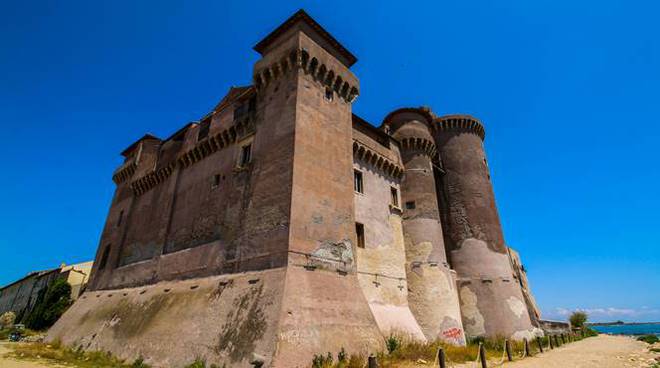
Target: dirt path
x=6 y=362
x=602 y=351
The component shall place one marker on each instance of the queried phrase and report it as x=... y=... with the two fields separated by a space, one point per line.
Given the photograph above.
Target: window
x=121 y=217
x=246 y=154
x=216 y=181
x=359 y=230
x=328 y=94
x=358 y=184
x=104 y=257
x=410 y=205
x=395 y=196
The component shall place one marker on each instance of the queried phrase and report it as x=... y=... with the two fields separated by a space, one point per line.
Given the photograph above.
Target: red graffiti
x=452 y=333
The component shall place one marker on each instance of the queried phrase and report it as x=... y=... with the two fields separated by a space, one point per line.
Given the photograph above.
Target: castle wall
x=491 y=300
x=381 y=263
x=221 y=319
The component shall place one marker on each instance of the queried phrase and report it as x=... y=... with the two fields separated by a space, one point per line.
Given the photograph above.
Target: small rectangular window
x=358 y=184
x=410 y=205
x=104 y=257
x=395 y=196
x=216 y=181
x=329 y=94
x=246 y=154
x=121 y=217
x=359 y=230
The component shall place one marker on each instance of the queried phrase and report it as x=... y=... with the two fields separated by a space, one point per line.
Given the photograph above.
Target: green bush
x=649 y=339
x=50 y=305
x=392 y=344
x=578 y=319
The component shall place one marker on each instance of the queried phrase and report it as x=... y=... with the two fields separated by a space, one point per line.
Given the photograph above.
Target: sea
x=645 y=329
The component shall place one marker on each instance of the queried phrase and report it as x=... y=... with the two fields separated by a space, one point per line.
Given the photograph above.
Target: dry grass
x=77 y=358
x=411 y=353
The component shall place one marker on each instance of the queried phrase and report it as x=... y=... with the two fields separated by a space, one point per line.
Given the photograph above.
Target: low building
x=21 y=295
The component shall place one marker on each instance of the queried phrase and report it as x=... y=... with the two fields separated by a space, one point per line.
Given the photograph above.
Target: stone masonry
x=281 y=225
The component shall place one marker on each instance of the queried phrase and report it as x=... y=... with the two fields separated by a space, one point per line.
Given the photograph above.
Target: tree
x=50 y=305
x=578 y=319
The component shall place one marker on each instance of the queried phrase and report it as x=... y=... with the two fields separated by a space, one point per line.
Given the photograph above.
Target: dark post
x=507 y=347
x=538 y=342
x=441 y=358
x=562 y=339
x=527 y=352
x=482 y=355
x=550 y=341
x=372 y=362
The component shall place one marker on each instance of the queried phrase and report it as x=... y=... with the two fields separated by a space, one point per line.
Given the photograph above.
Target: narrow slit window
x=104 y=257
x=358 y=183
x=216 y=181
x=359 y=230
x=120 y=218
x=395 y=196
x=328 y=94
x=246 y=154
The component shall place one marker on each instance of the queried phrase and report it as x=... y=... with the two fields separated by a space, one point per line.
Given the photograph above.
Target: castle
x=282 y=225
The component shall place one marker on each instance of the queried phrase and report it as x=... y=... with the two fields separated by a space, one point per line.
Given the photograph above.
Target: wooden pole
x=441 y=359
x=527 y=352
x=538 y=342
x=550 y=340
x=372 y=362
x=507 y=347
x=482 y=355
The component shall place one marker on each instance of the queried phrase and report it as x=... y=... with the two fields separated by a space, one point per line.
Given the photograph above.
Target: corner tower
x=306 y=90
x=432 y=295
x=491 y=300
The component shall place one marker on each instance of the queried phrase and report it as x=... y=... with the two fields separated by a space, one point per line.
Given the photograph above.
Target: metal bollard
x=441 y=358
x=550 y=341
x=482 y=355
x=507 y=347
x=372 y=362
x=538 y=342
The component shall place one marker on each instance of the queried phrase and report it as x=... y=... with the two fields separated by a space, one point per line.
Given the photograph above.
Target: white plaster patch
x=472 y=318
x=516 y=306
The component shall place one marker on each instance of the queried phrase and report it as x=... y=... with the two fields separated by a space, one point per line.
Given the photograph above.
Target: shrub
x=578 y=319
x=392 y=344
x=51 y=304
x=7 y=320
x=649 y=339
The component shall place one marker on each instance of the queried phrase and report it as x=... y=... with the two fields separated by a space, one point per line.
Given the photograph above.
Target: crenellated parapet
x=459 y=123
x=363 y=153
x=204 y=148
x=301 y=59
x=124 y=172
x=423 y=145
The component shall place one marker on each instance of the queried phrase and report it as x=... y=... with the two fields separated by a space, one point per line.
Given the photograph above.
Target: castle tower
x=432 y=295
x=306 y=88
x=491 y=299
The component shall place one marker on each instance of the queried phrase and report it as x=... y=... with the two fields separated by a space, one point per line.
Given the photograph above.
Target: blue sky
x=568 y=91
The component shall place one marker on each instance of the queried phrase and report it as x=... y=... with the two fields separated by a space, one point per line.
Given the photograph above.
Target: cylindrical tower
x=491 y=300
x=432 y=296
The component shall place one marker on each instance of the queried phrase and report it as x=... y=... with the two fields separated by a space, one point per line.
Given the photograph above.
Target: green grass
x=649 y=339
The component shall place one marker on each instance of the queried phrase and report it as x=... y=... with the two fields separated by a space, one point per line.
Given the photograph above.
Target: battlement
x=459 y=123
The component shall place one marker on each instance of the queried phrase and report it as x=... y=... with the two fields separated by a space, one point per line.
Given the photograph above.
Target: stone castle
x=282 y=225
